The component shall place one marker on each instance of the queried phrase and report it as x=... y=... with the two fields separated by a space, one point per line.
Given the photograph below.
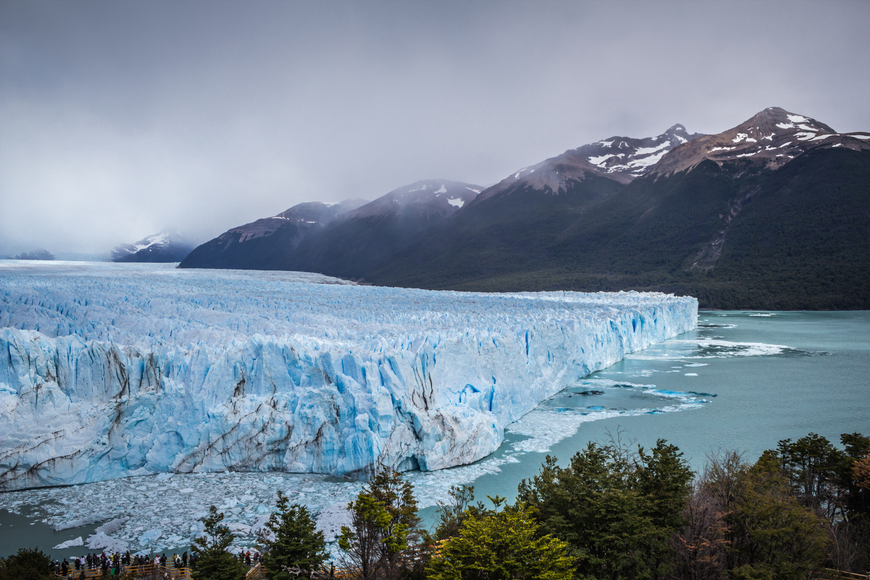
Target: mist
x=122 y=119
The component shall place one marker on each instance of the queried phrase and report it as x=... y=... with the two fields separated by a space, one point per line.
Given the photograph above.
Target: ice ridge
x=114 y=370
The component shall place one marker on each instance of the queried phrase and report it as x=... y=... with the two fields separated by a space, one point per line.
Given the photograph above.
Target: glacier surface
x=114 y=370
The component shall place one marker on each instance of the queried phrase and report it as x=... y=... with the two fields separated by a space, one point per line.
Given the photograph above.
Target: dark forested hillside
x=735 y=236
x=771 y=214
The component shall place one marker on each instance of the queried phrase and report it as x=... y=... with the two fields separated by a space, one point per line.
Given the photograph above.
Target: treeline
x=612 y=513
x=615 y=512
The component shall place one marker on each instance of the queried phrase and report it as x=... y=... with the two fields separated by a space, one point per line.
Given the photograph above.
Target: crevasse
x=111 y=371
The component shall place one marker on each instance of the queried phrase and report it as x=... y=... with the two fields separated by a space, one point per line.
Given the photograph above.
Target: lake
x=742 y=381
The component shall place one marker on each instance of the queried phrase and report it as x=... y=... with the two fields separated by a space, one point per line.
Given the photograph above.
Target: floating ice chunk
x=112 y=527
x=69 y=544
x=331 y=519
x=82 y=521
x=150 y=536
x=238 y=529
x=101 y=541
x=691 y=374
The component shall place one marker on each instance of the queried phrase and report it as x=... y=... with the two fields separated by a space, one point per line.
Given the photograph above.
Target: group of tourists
x=114 y=564
x=250 y=558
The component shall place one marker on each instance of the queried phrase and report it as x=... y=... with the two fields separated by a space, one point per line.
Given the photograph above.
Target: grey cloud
x=121 y=119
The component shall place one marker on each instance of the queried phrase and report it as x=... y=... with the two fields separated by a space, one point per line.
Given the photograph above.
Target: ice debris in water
x=156 y=513
x=116 y=371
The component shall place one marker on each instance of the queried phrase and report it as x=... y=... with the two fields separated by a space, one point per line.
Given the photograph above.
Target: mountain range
x=771 y=214
x=162 y=247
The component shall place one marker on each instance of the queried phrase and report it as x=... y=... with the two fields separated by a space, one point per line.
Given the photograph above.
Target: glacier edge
x=336 y=380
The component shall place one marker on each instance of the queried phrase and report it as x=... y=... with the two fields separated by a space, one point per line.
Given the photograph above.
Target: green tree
x=616 y=510
x=771 y=534
x=291 y=540
x=452 y=513
x=501 y=545
x=384 y=525
x=702 y=543
x=27 y=564
x=213 y=561
x=821 y=477
x=810 y=465
x=857 y=500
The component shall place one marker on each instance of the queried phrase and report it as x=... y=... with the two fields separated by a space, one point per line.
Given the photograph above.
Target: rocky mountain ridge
x=771 y=138
x=773 y=213
x=619 y=158
x=160 y=247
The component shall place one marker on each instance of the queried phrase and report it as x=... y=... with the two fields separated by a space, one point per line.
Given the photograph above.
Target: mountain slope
x=345 y=239
x=268 y=243
x=747 y=227
x=162 y=247
x=618 y=158
x=372 y=234
x=771 y=138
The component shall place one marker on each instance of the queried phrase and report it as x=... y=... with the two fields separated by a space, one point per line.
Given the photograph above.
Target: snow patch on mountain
x=161 y=247
x=777 y=128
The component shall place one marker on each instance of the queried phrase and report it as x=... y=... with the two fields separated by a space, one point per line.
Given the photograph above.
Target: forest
x=613 y=511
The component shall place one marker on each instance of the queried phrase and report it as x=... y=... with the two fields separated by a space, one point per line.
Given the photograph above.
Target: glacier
x=116 y=370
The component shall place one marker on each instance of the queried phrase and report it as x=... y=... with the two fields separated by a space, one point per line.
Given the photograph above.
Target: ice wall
x=114 y=370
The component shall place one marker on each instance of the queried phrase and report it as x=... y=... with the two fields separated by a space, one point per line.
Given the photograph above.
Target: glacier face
x=111 y=370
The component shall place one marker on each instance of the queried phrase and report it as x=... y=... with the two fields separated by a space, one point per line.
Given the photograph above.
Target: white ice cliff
x=110 y=370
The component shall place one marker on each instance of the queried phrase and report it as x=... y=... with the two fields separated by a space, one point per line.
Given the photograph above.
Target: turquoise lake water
x=742 y=381
x=776 y=375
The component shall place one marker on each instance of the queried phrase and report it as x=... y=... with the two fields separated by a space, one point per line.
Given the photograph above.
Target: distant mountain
x=345 y=240
x=268 y=243
x=372 y=234
x=41 y=254
x=770 y=139
x=162 y=247
x=774 y=213
x=620 y=159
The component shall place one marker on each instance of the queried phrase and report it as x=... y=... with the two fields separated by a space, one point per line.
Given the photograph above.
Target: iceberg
x=116 y=370
x=70 y=544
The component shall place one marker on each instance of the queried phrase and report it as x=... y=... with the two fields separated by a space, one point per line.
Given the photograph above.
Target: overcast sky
x=121 y=119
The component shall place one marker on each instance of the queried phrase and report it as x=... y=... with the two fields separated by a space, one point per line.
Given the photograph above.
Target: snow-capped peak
x=160 y=247
x=433 y=196
x=629 y=157
x=772 y=137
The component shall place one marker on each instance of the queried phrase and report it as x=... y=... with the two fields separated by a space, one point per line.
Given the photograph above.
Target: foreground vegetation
x=617 y=513
x=611 y=513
